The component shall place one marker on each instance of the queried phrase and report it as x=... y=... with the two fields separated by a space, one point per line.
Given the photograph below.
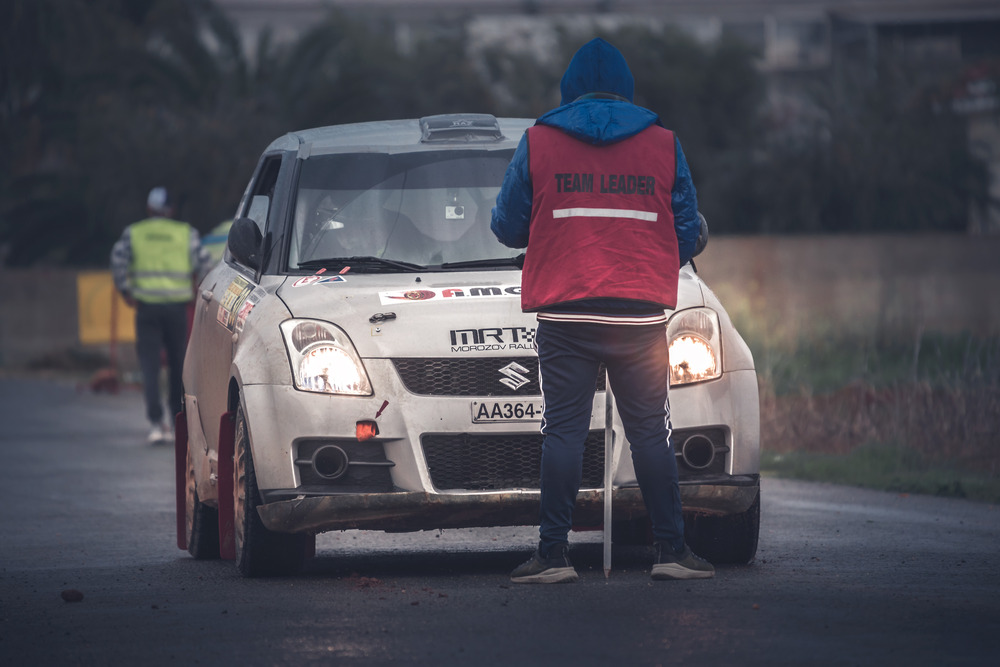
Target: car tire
x=728 y=539
x=259 y=551
x=201 y=521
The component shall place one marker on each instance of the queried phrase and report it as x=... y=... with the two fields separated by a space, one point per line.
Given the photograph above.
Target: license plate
x=485 y=412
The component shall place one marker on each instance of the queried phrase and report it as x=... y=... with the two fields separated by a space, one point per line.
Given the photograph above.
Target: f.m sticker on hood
x=451 y=293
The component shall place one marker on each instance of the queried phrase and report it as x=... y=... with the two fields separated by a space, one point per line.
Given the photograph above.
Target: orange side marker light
x=366 y=430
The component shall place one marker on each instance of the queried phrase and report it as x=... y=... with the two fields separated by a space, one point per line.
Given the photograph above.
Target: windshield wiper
x=496 y=261
x=360 y=262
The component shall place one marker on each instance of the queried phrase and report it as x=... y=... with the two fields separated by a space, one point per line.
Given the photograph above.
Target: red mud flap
x=227 y=510
x=180 y=477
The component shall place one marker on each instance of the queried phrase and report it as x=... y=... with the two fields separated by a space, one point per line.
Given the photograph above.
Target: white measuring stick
x=609 y=411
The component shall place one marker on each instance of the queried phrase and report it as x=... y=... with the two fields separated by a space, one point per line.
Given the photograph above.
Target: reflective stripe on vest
x=602 y=224
x=161 y=260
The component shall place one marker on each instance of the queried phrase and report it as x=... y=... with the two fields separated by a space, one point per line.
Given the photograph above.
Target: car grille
x=495 y=461
x=479 y=376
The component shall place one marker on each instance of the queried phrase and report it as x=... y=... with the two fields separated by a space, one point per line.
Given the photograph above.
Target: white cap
x=158 y=199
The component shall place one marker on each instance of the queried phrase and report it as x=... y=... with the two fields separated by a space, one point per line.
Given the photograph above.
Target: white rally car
x=360 y=360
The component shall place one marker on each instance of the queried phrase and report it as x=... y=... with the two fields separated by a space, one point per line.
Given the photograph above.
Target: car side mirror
x=702 y=236
x=245 y=241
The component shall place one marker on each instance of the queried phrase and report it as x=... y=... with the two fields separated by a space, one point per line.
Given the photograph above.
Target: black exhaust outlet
x=698 y=452
x=330 y=462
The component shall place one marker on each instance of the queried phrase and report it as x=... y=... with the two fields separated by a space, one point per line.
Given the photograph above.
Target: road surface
x=843 y=576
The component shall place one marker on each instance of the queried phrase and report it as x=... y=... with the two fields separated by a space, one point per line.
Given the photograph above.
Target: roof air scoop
x=460 y=127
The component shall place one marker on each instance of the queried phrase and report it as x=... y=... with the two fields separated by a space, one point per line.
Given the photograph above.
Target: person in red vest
x=600 y=194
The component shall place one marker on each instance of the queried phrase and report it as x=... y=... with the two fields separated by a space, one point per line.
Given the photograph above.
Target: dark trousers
x=636 y=358
x=159 y=327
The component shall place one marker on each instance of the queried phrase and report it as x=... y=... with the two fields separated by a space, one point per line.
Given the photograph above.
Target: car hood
x=432 y=314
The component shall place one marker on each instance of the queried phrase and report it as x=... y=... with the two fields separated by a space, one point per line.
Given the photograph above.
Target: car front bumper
x=415 y=510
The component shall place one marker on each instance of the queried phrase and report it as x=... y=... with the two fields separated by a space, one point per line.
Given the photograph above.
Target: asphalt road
x=843 y=576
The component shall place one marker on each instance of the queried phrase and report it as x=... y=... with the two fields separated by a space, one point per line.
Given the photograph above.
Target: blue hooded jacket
x=597 y=108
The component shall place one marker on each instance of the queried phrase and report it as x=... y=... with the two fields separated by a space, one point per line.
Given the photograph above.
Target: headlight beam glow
x=695 y=346
x=691 y=360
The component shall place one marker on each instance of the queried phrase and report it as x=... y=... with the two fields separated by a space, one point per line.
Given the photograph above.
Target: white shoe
x=157 y=434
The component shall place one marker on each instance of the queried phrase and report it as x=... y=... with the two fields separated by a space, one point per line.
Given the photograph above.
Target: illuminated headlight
x=695 y=346
x=323 y=359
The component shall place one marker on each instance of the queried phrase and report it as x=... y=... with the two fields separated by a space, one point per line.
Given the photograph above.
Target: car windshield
x=426 y=208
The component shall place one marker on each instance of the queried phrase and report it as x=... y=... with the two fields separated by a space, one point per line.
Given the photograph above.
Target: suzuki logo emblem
x=513 y=375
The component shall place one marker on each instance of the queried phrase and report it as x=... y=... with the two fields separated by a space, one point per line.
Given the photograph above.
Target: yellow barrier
x=97 y=299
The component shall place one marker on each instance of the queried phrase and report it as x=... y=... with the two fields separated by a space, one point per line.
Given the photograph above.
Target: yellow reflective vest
x=161 y=260
x=215 y=242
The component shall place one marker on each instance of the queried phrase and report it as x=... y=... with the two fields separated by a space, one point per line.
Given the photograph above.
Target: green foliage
x=822 y=366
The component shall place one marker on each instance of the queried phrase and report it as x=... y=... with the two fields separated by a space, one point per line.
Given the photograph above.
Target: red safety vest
x=602 y=225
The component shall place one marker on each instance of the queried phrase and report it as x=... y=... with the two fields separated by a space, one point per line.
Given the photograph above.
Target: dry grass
x=908 y=409
x=956 y=425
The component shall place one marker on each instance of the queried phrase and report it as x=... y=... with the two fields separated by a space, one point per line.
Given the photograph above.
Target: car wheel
x=725 y=539
x=202 y=521
x=259 y=551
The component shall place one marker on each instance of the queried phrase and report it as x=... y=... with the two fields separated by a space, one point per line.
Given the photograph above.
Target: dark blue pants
x=636 y=358
x=159 y=327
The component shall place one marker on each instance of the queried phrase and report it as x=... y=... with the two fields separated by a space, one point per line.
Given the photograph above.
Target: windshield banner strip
x=603 y=213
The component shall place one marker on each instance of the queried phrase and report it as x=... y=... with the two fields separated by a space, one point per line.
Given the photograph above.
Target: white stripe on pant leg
x=666 y=419
x=541 y=426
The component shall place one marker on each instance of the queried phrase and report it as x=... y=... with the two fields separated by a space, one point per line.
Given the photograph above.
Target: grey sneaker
x=684 y=565
x=552 y=569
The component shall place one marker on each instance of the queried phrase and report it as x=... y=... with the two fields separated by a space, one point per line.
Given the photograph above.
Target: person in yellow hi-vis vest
x=156 y=264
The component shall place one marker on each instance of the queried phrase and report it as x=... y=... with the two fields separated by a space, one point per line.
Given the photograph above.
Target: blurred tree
x=439 y=78
x=121 y=95
x=102 y=99
x=896 y=165
x=177 y=117
x=48 y=49
x=876 y=158
x=339 y=71
x=520 y=85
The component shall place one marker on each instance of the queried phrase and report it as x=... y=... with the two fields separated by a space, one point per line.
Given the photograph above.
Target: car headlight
x=323 y=359
x=695 y=346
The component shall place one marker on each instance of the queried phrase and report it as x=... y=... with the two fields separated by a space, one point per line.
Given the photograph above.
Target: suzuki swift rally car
x=359 y=360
